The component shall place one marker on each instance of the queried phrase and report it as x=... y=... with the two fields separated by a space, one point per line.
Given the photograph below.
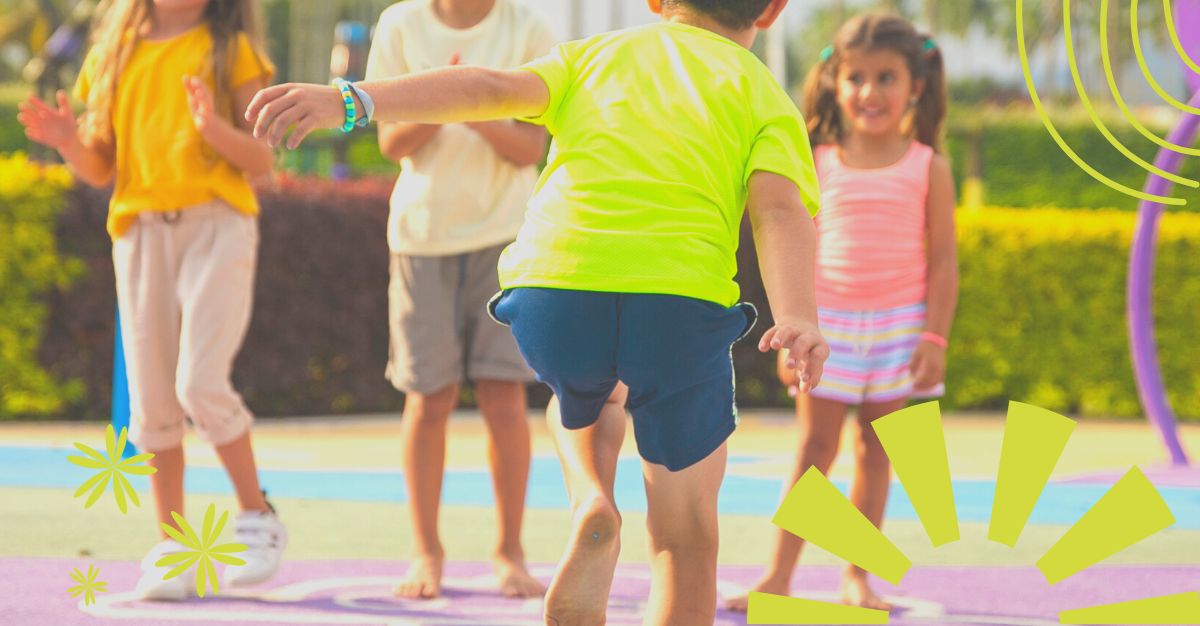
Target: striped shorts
x=870 y=353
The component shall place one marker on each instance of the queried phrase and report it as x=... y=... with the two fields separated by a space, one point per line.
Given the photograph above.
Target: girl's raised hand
x=200 y=101
x=275 y=109
x=47 y=125
x=807 y=350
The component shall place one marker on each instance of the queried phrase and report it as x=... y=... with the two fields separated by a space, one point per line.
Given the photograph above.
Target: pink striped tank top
x=871 y=231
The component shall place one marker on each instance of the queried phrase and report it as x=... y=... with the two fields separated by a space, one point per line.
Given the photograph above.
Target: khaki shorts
x=440 y=331
x=185 y=288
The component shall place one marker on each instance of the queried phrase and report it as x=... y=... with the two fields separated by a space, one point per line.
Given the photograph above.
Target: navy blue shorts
x=673 y=353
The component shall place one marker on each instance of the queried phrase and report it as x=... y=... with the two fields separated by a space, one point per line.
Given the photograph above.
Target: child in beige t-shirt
x=459 y=200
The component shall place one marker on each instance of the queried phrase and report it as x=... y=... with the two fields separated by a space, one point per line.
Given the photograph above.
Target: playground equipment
x=1139 y=296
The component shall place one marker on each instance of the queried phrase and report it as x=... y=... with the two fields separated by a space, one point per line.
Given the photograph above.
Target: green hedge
x=1041 y=317
x=1042 y=311
x=1022 y=166
x=30 y=266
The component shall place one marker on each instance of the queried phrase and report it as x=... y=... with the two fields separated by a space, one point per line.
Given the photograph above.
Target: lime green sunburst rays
x=914 y=439
x=816 y=511
x=111 y=468
x=1132 y=510
x=1062 y=144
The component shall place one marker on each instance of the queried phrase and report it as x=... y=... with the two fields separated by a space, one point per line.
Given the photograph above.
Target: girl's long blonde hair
x=118 y=29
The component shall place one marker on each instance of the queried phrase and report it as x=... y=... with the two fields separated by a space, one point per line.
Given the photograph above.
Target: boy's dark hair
x=737 y=14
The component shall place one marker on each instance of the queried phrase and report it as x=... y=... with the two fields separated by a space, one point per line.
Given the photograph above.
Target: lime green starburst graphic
x=112 y=468
x=202 y=552
x=915 y=442
x=88 y=585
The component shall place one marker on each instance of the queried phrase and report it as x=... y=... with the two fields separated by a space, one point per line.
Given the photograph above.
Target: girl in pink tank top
x=887 y=268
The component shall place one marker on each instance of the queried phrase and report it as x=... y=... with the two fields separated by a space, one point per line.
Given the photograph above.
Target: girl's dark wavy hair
x=872 y=32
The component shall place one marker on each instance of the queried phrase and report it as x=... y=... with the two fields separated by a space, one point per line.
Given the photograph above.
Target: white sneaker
x=265 y=538
x=152 y=586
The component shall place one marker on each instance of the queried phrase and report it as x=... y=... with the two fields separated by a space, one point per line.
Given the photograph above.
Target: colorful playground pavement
x=337 y=484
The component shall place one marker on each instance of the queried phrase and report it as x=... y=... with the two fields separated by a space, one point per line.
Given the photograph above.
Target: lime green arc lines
x=915 y=442
x=1183 y=54
x=1106 y=60
x=768 y=608
x=1034 y=439
x=1128 y=513
x=817 y=512
x=1091 y=111
x=1141 y=59
x=1062 y=144
x=1180 y=608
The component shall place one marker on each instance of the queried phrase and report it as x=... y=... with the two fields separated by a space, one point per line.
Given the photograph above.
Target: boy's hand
x=309 y=107
x=200 y=101
x=806 y=348
x=928 y=365
x=49 y=126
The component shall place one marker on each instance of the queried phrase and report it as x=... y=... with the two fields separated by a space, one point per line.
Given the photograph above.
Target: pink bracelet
x=935 y=339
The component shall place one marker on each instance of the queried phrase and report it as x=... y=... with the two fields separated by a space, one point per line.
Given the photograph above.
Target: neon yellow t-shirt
x=162 y=162
x=657 y=130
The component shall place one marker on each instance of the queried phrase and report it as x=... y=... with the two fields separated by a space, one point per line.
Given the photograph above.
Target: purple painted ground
x=1161 y=476
x=357 y=592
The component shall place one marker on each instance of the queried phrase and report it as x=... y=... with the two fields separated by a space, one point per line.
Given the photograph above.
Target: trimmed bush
x=1022 y=166
x=1041 y=315
x=1042 y=311
x=31 y=197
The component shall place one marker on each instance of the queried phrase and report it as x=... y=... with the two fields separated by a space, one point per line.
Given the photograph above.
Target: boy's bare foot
x=856 y=592
x=515 y=579
x=423 y=580
x=578 y=595
x=767 y=584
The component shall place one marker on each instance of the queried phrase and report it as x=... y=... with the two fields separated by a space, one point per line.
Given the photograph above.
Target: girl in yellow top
x=161 y=85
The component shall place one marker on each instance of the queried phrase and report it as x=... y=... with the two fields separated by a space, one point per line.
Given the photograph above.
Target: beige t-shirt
x=455 y=194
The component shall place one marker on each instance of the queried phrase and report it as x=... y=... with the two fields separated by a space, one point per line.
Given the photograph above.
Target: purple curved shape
x=1139 y=297
x=1187 y=25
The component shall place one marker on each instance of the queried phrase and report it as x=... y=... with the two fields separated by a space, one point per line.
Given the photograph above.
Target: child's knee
x=871 y=455
x=820 y=450
x=697 y=540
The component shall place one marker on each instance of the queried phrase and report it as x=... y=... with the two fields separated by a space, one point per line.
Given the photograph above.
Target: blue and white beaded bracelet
x=343 y=86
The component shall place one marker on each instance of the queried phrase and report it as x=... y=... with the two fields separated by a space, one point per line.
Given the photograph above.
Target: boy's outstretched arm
x=786 y=241
x=441 y=96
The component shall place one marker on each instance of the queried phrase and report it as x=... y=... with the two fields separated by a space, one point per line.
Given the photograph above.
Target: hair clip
x=929 y=44
x=826 y=53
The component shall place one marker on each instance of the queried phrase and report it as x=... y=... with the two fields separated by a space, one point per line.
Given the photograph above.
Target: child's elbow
x=98 y=179
x=260 y=172
x=790 y=211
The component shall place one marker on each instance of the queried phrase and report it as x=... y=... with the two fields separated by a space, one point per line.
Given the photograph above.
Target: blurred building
x=978 y=54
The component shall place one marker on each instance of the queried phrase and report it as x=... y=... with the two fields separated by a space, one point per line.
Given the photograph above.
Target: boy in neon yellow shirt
x=623 y=271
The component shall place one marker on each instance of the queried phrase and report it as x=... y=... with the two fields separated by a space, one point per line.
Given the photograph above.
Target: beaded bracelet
x=935 y=339
x=348 y=99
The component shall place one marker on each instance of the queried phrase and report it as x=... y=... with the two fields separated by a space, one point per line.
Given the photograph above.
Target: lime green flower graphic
x=111 y=468
x=88 y=585
x=202 y=552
